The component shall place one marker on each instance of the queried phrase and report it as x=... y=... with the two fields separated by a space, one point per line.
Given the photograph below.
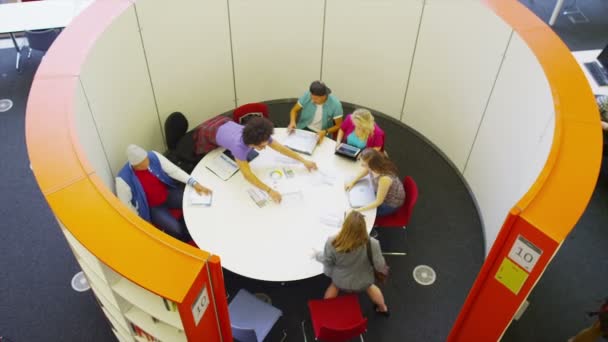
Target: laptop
x=301 y=141
x=362 y=193
x=348 y=151
x=599 y=68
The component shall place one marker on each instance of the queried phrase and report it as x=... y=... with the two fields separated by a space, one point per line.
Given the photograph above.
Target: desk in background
x=587 y=56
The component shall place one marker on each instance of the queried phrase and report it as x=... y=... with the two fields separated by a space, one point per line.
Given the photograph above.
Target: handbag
x=379 y=277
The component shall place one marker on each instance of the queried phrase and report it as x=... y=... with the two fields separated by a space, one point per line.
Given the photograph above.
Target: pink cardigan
x=376 y=139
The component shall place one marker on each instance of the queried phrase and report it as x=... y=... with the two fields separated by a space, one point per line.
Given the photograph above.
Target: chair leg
x=284 y=336
x=394 y=253
x=304 y=332
x=361 y=337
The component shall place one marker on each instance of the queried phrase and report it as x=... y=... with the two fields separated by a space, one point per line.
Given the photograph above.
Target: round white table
x=274 y=242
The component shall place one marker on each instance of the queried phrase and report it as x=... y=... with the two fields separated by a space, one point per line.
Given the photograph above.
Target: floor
x=38 y=304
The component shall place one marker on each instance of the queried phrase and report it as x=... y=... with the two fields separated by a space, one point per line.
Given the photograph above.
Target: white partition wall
x=92 y=146
x=514 y=137
x=188 y=56
x=276 y=47
x=458 y=54
x=116 y=83
x=368 y=49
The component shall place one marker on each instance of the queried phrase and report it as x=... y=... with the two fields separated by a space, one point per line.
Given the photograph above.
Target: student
x=242 y=140
x=360 y=130
x=146 y=185
x=321 y=111
x=387 y=185
x=345 y=260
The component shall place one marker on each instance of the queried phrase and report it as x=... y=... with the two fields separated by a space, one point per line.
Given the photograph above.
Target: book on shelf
x=142 y=333
x=170 y=305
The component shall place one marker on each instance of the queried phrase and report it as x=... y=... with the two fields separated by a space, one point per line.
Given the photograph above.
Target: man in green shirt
x=321 y=111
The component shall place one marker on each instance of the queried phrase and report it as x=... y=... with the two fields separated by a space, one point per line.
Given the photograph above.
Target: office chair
x=252 y=319
x=40 y=40
x=401 y=218
x=336 y=319
x=243 y=113
x=180 y=143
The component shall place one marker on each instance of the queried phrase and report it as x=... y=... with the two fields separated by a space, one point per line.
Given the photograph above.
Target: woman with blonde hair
x=359 y=129
x=390 y=194
x=345 y=260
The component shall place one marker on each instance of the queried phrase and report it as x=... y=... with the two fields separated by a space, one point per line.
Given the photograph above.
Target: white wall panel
x=459 y=51
x=368 y=51
x=89 y=138
x=187 y=45
x=514 y=138
x=115 y=79
x=276 y=47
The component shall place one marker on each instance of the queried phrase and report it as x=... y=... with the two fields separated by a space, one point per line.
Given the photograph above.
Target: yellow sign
x=511 y=275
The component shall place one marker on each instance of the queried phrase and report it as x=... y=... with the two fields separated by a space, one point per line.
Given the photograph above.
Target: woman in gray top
x=346 y=262
x=390 y=194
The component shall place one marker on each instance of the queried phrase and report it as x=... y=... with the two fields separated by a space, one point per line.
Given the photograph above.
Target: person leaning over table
x=242 y=140
x=345 y=260
x=390 y=194
x=321 y=111
x=361 y=131
x=146 y=185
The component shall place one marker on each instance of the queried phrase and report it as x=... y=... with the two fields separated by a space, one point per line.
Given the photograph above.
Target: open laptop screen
x=603 y=58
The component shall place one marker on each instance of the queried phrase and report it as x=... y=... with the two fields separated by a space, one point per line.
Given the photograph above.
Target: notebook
x=301 y=141
x=222 y=166
x=362 y=193
x=348 y=151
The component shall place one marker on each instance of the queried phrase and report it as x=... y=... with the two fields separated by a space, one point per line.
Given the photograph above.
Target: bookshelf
x=134 y=313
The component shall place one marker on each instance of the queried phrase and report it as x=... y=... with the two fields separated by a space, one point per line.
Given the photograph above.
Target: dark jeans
x=162 y=218
x=384 y=210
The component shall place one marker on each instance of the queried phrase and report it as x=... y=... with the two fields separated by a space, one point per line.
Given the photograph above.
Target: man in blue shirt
x=321 y=111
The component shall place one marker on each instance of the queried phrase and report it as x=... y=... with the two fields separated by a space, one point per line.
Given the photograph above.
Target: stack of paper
x=301 y=141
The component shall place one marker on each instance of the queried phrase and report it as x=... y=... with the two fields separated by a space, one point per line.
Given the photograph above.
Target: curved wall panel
x=189 y=56
x=276 y=47
x=514 y=137
x=460 y=95
x=454 y=68
x=117 y=85
x=367 y=51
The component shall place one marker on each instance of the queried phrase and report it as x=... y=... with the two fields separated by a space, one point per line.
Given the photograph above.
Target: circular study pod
x=486 y=82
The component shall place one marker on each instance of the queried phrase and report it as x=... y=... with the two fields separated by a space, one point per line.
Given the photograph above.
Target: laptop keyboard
x=598 y=74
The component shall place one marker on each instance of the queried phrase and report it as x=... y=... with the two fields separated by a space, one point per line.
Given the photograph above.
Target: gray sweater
x=351 y=271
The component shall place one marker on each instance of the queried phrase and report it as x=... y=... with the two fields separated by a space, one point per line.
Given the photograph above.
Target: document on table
x=321 y=177
x=301 y=141
x=259 y=197
x=292 y=198
x=332 y=219
x=222 y=166
x=362 y=193
x=200 y=199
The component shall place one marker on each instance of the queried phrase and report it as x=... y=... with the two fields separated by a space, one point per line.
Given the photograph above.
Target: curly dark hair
x=257 y=131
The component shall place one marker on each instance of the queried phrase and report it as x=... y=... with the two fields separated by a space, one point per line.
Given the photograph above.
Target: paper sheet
x=196 y=199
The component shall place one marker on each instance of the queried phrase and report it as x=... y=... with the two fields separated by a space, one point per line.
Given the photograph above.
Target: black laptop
x=348 y=151
x=599 y=68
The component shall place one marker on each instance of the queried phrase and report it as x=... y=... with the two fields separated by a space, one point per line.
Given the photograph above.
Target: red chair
x=337 y=319
x=401 y=218
x=246 y=111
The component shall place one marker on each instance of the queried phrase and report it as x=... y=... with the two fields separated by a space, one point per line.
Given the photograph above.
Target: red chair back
x=401 y=218
x=246 y=110
x=337 y=319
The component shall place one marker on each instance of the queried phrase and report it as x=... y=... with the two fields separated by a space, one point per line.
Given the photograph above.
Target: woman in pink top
x=360 y=130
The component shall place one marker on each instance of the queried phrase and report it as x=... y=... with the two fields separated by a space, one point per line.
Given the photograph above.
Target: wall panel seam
x=485 y=109
x=409 y=74
x=103 y=148
x=323 y=38
x=143 y=49
x=232 y=53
